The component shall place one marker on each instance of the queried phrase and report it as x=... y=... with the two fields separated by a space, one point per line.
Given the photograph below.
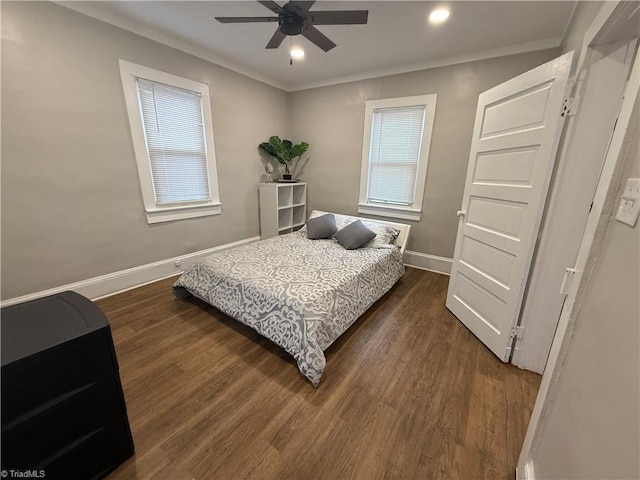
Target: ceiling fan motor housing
x=290 y=24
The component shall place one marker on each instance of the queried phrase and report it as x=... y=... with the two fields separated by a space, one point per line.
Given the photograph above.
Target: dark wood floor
x=408 y=393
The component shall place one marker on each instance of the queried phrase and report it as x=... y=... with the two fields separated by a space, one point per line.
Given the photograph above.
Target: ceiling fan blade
x=276 y=40
x=314 y=35
x=337 y=17
x=246 y=19
x=273 y=6
x=298 y=7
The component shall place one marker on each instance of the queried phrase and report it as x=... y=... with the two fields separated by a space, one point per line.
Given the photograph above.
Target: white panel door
x=515 y=138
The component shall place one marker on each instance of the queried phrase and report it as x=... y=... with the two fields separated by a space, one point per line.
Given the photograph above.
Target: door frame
x=610 y=16
x=600 y=86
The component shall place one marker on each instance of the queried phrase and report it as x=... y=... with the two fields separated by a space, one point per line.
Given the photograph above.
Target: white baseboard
x=425 y=261
x=111 y=283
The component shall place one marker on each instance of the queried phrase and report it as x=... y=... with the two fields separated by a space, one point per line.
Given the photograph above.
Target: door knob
x=461 y=213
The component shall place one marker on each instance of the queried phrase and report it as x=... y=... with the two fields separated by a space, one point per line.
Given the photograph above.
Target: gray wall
x=71 y=202
x=331 y=119
x=592 y=428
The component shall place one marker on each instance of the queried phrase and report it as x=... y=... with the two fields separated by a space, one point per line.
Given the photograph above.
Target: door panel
x=524 y=110
x=479 y=300
x=515 y=138
x=499 y=216
x=492 y=262
x=509 y=167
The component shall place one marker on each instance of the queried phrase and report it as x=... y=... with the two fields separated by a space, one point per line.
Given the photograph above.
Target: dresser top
x=35 y=326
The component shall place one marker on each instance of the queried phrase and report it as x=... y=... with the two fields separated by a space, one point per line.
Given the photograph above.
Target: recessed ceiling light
x=297 y=53
x=438 y=16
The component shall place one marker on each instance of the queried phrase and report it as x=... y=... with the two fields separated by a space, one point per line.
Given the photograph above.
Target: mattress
x=301 y=294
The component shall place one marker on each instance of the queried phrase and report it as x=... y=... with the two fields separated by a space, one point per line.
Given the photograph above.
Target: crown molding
x=92 y=9
x=543 y=44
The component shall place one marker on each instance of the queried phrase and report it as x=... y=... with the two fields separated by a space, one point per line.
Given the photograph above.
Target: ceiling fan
x=294 y=18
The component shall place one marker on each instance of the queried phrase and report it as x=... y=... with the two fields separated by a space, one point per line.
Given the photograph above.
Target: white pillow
x=385 y=235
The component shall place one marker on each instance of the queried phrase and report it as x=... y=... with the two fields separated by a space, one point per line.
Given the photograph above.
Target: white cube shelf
x=283 y=208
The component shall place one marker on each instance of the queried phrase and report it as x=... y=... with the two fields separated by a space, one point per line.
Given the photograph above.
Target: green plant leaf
x=267 y=148
x=283 y=150
x=297 y=150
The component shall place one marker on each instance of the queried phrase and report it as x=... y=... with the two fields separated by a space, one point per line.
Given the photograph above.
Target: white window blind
x=394 y=154
x=175 y=136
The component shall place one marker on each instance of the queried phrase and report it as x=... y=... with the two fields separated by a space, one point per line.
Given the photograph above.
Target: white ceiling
x=398 y=37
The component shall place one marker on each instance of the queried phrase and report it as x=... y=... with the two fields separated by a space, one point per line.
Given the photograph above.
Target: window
x=397 y=136
x=172 y=132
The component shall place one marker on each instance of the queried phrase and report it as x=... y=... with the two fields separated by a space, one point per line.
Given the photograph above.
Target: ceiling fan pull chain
x=290 y=48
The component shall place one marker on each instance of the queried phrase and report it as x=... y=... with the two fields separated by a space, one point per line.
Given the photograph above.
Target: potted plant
x=284 y=151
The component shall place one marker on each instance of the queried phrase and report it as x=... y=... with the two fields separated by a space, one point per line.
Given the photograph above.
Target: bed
x=301 y=294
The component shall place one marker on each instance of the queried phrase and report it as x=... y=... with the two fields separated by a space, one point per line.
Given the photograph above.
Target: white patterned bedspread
x=302 y=294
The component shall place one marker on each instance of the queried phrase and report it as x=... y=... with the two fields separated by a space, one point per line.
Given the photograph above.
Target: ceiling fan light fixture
x=439 y=16
x=297 y=53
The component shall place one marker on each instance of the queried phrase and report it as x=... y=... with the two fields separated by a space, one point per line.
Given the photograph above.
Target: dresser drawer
x=55 y=372
x=93 y=458
x=59 y=425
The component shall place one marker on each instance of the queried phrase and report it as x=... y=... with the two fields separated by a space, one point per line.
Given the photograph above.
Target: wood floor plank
x=486 y=438
x=408 y=393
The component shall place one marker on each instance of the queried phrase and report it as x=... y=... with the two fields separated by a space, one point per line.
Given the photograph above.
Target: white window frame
x=155 y=213
x=412 y=212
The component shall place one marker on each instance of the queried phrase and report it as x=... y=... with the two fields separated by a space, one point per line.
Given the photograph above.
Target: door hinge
x=570 y=106
x=569 y=273
x=516 y=332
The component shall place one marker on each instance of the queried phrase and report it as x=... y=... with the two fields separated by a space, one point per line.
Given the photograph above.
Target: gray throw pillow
x=321 y=227
x=354 y=235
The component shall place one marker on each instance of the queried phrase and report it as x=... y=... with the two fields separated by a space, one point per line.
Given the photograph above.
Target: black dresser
x=63 y=411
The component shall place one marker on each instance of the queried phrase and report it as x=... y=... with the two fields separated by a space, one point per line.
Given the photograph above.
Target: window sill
x=403 y=213
x=170 y=214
